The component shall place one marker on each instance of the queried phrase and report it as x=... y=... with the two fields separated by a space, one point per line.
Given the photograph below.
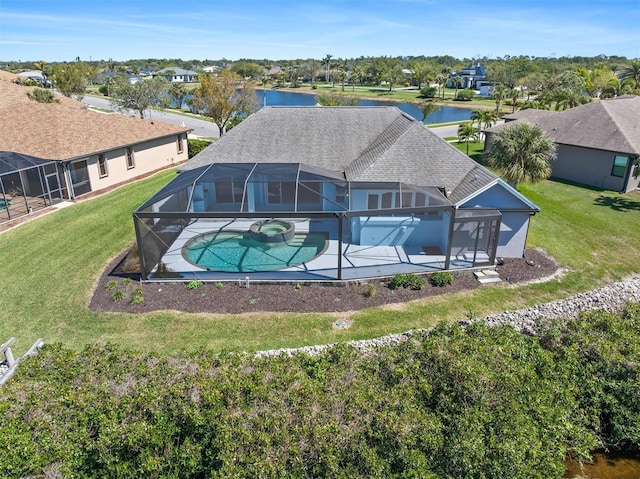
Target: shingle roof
x=530 y=114
x=176 y=71
x=66 y=130
x=365 y=143
x=611 y=125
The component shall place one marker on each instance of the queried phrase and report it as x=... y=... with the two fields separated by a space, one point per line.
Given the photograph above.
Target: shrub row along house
x=329 y=193
x=598 y=144
x=50 y=151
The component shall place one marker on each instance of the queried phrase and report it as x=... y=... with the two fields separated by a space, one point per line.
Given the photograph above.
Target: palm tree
x=466 y=133
x=484 y=118
x=633 y=72
x=499 y=94
x=457 y=83
x=514 y=95
x=427 y=108
x=326 y=62
x=522 y=152
x=488 y=118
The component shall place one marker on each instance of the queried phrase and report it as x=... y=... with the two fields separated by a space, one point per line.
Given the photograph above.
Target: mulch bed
x=235 y=299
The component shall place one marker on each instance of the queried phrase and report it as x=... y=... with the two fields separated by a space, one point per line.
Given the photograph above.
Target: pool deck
x=358 y=261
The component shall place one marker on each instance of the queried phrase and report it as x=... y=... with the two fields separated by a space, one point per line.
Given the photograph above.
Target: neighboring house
x=91 y=151
x=329 y=193
x=109 y=76
x=472 y=77
x=36 y=75
x=177 y=75
x=211 y=68
x=598 y=144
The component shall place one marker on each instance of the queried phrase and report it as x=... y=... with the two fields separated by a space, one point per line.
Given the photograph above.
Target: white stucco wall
x=148 y=157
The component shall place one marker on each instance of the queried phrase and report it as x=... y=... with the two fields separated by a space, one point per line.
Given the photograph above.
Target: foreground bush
x=474 y=402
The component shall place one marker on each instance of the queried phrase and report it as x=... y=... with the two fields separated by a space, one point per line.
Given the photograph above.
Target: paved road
x=206 y=128
x=200 y=127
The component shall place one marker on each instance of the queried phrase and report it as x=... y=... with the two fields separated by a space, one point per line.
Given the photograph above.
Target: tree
x=632 y=71
x=423 y=72
x=223 y=96
x=71 y=79
x=178 y=92
x=248 y=70
x=427 y=108
x=499 y=93
x=457 y=83
x=326 y=63
x=337 y=99
x=514 y=95
x=441 y=80
x=466 y=133
x=522 y=152
x=484 y=119
x=140 y=96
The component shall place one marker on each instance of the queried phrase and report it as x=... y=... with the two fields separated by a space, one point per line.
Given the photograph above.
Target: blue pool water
x=237 y=252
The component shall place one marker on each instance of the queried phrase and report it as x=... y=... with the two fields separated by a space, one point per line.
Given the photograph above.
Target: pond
x=445 y=114
x=285 y=98
x=606 y=466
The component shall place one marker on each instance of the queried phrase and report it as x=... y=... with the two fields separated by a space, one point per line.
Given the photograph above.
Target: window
x=619 y=166
x=309 y=193
x=280 y=192
x=102 y=166
x=229 y=192
x=179 y=144
x=130 y=161
x=377 y=201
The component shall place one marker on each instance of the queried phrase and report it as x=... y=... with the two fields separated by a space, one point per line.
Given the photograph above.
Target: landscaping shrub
x=370 y=290
x=465 y=95
x=131 y=263
x=407 y=280
x=43 y=96
x=428 y=92
x=441 y=278
x=195 y=146
x=453 y=402
x=194 y=284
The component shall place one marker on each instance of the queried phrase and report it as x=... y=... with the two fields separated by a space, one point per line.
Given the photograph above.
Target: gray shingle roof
x=365 y=143
x=611 y=125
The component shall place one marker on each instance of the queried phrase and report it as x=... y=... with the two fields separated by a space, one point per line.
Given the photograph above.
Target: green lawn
x=49 y=266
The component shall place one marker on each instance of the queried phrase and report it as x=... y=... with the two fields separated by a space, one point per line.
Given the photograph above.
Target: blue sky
x=54 y=30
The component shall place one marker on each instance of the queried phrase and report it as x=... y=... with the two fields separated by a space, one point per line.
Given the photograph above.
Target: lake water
x=445 y=114
x=285 y=98
x=606 y=466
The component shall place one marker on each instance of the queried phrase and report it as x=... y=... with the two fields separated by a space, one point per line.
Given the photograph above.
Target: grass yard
x=50 y=264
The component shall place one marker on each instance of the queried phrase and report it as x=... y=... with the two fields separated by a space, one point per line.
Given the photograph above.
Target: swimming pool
x=239 y=252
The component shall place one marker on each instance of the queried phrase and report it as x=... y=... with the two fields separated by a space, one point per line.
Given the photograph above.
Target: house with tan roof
x=85 y=150
x=329 y=194
x=598 y=144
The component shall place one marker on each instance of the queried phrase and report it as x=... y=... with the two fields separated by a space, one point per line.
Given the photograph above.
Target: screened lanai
x=27 y=184
x=290 y=221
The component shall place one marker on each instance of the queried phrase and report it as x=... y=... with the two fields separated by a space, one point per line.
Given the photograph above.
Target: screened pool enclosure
x=290 y=221
x=27 y=184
